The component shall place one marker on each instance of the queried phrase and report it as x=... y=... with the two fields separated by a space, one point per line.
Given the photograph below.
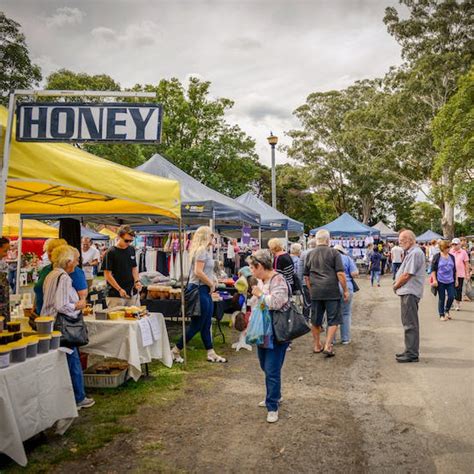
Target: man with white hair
x=323 y=273
x=408 y=284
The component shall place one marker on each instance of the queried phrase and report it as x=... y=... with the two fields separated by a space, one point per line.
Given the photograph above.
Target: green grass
x=97 y=426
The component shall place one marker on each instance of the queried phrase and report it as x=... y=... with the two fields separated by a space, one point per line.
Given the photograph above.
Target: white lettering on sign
x=89 y=122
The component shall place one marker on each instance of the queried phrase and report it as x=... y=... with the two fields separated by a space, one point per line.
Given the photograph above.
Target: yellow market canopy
x=61 y=180
x=108 y=233
x=31 y=228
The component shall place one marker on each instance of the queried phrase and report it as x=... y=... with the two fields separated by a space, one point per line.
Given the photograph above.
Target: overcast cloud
x=265 y=55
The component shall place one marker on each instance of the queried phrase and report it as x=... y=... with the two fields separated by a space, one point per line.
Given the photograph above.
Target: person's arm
x=199 y=272
x=109 y=278
x=434 y=271
x=341 y=276
x=136 y=278
x=277 y=296
x=63 y=302
x=402 y=280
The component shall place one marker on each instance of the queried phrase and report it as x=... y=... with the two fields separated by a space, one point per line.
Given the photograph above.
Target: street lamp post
x=273 y=140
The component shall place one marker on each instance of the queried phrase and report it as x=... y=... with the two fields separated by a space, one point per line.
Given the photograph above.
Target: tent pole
x=6 y=156
x=183 y=307
x=18 y=260
x=260 y=237
x=287 y=242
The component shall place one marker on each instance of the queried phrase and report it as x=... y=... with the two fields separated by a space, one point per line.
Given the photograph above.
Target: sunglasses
x=128 y=241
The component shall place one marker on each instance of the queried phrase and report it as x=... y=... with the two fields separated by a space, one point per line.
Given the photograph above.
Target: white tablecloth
x=122 y=340
x=33 y=395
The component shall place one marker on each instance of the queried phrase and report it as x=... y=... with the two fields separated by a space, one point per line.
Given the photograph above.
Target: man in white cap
x=462 y=269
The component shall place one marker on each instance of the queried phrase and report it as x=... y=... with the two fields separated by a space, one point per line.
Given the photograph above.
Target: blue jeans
x=375 y=276
x=395 y=267
x=77 y=379
x=201 y=323
x=445 y=290
x=346 y=318
x=271 y=362
x=12 y=279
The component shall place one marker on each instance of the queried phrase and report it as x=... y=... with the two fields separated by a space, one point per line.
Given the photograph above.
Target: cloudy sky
x=266 y=55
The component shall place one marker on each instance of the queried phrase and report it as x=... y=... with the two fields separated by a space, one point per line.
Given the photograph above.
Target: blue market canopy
x=347 y=226
x=270 y=218
x=428 y=235
x=198 y=201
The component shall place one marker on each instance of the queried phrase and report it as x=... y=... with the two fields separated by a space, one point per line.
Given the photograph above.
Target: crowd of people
x=320 y=281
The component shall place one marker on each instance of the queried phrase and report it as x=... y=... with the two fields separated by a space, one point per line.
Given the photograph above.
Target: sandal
x=214 y=358
x=176 y=356
x=318 y=352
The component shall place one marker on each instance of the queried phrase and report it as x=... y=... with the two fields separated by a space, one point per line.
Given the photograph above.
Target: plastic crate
x=92 y=380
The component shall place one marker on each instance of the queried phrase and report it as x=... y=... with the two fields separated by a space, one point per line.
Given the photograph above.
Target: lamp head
x=272 y=139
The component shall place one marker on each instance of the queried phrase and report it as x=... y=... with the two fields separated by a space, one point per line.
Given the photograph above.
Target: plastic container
x=32 y=346
x=101 y=315
x=6 y=338
x=13 y=326
x=55 y=340
x=5 y=353
x=18 y=351
x=44 y=343
x=116 y=315
x=17 y=336
x=44 y=324
x=2 y=323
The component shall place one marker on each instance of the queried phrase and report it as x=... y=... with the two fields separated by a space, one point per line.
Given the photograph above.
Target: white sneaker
x=86 y=403
x=272 y=416
x=263 y=404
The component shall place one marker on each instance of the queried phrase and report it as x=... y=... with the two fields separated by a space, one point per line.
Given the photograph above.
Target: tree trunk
x=367 y=205
x=447 y=221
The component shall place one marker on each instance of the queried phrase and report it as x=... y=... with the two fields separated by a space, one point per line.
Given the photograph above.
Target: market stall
x=386 y=233
x=272 y=221
x=134 y=341
x=428 y=236
x=33 y=395
x=353 y=235
x=53 y=181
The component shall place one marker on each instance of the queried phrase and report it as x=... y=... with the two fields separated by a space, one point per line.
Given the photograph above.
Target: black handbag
x=355 y=286
x=192 y=302
x=73 y=330
x=289 y=324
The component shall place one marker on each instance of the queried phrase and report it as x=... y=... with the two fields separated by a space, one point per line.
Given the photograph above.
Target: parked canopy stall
x=347 y=226
x=428 y=236
x=386 y=233
x=199 y=203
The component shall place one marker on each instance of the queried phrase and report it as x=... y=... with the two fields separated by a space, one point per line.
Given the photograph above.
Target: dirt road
x=357 y=412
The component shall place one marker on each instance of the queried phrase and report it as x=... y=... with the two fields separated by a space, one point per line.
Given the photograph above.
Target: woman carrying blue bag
x=270 y=294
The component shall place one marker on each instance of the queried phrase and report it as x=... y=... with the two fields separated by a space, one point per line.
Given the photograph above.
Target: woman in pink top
x=462 y=269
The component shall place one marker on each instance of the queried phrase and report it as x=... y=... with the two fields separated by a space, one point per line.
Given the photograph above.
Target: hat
x=245 y=271
x=340 y=248
x=455 y=241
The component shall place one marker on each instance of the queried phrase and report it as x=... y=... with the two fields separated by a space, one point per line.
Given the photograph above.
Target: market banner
x=246 y=233
x=88 y=122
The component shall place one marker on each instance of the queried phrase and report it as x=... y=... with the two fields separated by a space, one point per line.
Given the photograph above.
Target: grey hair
x=295 y=248
x=263 y=257
x=312 y=243
x=322 y=237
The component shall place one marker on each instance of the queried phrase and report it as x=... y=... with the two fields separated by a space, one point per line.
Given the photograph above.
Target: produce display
x=16 y=345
